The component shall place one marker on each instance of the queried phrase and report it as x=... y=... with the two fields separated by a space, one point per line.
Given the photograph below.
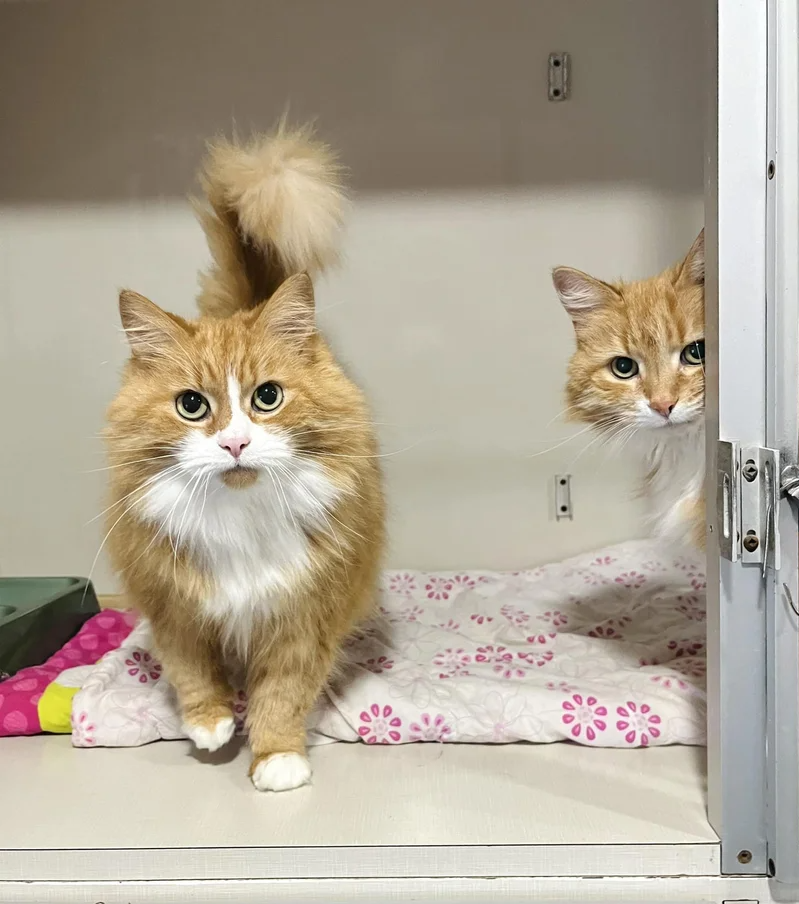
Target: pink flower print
x=670 y=682
x=412 y=613
x=605 y=632
x=502 y=660
x=515 y=616
x=541 y=639
x=378 y=665
x=536 y=657
x=479 y=618
x=538 y=572
x=698 y=583
x=449 y=625
x=430 y=728
x=556 y=618
x=602 y=561
x=692 y=608
x=452 y=662
x=594 y=579
x=464 y=581
x=691 y=668
x=640 y=723
x=402 y=583
x=631 y=579
x=240 y=711
x=437 y=588
x=687 y=647
x=562 y=686
x=143 y=667
x=380 y=725
x=584 y=713
x=83 y=730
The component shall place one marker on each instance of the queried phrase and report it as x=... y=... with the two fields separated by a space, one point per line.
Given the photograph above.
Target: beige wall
x=470 y=186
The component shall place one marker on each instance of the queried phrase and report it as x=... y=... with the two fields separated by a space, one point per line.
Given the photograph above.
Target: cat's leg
x=194 y=667
x=284 y=680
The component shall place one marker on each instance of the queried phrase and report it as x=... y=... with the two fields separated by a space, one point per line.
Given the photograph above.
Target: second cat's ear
x=290 y=313
x=152 y=333
x=580 y=293
x=693 y=267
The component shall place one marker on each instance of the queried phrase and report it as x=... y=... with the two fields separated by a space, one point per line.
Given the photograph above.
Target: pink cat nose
x=236 y=445
x=663 y=406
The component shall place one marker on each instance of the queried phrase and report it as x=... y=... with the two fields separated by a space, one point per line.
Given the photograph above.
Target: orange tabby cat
x=244 y=463
x=639 y=370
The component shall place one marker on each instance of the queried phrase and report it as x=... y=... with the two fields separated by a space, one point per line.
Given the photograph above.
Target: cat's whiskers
x=150 y=481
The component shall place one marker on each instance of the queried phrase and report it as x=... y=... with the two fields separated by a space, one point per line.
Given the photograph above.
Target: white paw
x=211 y=738
x=282 y=772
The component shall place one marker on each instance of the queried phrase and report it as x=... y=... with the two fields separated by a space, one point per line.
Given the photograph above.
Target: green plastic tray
x=38 y=616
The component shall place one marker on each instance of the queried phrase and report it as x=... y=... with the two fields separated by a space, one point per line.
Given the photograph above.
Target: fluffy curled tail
x=274 y=208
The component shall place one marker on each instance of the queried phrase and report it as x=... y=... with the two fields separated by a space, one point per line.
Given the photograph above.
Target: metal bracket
x=748 y=487
x=728 y=494
x=563 y=497
x=559 y=78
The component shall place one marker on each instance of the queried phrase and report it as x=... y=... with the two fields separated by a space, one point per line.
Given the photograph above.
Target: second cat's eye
x=267 y=397
x=623 y=367
x=192 y=406
x=694 y=353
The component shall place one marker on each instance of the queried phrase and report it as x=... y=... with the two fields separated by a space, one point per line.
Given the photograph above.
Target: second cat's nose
x=235 y=445
x=663 y=406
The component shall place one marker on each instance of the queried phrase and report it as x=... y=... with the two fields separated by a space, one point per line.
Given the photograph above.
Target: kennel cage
x=470 y=823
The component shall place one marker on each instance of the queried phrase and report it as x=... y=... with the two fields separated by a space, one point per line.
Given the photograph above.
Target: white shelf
x=158 y=812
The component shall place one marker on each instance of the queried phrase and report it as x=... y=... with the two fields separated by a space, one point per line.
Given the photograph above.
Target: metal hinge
x=748 y=489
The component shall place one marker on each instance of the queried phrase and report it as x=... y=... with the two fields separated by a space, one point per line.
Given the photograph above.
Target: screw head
x=749 y=471
x=744 y=856
x=751 y=542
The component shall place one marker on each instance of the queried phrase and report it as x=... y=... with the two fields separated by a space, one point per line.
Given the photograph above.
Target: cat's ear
x=692 y=270
x=580 y=293
x=152 y=333
x=290 y=313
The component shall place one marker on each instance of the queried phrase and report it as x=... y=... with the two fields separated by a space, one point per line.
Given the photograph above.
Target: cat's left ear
x=692 y=270
x=290 y=313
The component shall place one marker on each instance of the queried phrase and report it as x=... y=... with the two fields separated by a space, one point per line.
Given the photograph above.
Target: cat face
x=235 y=400
x=639 y=362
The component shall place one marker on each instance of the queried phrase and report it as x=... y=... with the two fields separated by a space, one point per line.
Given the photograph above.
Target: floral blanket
x=606 y=649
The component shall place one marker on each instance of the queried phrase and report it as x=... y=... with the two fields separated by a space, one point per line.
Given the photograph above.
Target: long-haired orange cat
x=638 y=370
x=245 y=462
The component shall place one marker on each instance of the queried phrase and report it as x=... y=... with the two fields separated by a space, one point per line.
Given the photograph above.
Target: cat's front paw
x=213 y=737
x=281 y=772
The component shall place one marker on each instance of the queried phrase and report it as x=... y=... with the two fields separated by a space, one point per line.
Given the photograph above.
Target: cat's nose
x=663 y=406
x=235 y=445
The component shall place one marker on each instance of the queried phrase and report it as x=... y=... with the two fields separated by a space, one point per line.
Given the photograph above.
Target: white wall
x=470 y=187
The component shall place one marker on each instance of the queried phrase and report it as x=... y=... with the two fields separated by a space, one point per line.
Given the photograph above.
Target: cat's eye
x=192 y=406
x=693 y=354
x=267 y=397
x=623 y=367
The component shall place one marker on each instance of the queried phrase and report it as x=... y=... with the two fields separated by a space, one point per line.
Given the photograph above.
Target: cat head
x=235 y=400
x=639 y=362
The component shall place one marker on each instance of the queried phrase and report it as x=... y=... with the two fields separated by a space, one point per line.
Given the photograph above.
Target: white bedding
x=606 y=649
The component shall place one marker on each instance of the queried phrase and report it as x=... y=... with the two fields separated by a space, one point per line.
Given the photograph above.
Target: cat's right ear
x=579 y=293
x=152 y=333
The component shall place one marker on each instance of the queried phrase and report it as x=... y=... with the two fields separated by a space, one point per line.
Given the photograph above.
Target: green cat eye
x=267 y=397
x=693 y=354
x=192 y=406
x=623 y=368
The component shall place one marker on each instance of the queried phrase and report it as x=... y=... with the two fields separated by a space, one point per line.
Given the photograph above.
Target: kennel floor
x=419 y=810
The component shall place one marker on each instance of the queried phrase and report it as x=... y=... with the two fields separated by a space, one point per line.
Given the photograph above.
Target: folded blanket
x=605 y=649
x=39 y=698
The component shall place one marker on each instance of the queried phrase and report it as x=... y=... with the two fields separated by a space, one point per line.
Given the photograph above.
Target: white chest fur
x=251 y=541
x=678 y=479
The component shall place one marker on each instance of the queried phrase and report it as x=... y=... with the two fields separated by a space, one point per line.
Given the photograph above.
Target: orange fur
x=315 y=505
x=650 y=322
